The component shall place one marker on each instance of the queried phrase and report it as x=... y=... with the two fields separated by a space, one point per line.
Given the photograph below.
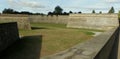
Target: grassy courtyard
x=56 y=37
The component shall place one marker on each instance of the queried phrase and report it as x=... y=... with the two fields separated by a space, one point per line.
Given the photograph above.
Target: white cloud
x=113 y=1
x=23 y=3
x=78 y=5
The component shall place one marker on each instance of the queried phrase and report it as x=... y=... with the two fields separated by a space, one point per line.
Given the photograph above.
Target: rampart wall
x=49 y=19
x=22 y=20
x=93 y=21
x=89 y=21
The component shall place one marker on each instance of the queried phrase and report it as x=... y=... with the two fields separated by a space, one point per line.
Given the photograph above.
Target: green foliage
x=70 y=12
x=89 y=33
x=100 y=12
x=112 y=10
x=79 y=12
x=93 y=11
x=12 y=11
x=8 y=11
x=58 y=10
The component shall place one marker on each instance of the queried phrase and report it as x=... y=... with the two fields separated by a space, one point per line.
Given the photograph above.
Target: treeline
x=11 y=11
x=57 y=11
x=112 y=10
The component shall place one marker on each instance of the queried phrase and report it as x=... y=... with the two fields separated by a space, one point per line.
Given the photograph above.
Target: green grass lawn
x=56 y=37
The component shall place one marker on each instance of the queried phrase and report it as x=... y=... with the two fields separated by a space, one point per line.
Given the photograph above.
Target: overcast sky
x=44 y=6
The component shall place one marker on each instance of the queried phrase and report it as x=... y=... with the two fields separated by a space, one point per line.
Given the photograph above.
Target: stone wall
x=22 y=20
x=49 y=19
x=8 y=34
x=93 y=21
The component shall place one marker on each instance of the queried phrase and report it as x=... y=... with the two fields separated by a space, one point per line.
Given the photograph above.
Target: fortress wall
x=49 y=19
x=89 y=21
x=23 y=22
x=93 y=21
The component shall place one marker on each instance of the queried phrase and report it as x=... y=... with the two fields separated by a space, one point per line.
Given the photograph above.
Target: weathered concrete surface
x=110 y=49
x=8 y=34
x=93 y=21
x=89 y=49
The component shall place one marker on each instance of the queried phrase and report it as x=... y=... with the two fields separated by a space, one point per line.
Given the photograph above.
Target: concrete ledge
x=89 y=49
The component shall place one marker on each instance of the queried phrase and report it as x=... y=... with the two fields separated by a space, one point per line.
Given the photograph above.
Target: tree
x=112 y=10
x=100 y=12
x=58 y=10
x=65 y=13
x=79 y=12
x=8 y=11
x=70 y=12
x=26 y=12
x=93 y=11
x=50 y=13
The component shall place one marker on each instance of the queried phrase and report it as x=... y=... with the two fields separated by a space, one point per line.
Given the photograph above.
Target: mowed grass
x=56 y=37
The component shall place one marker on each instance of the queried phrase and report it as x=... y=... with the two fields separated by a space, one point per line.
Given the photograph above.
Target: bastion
x=93 y=21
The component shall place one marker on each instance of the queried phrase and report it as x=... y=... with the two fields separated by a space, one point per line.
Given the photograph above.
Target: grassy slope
x=56 y=37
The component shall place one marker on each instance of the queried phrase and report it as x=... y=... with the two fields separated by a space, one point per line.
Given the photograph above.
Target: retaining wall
x=8 y=34
x=93 y=21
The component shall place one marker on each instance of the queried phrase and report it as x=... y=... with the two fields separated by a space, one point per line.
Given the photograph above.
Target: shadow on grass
x=26 y=48
x=35 y=28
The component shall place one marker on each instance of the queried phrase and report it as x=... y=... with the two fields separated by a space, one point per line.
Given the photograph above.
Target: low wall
x=103 y=46
x=49 y=19
x=93 y=21
x=8 y=34
x=23 y=22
